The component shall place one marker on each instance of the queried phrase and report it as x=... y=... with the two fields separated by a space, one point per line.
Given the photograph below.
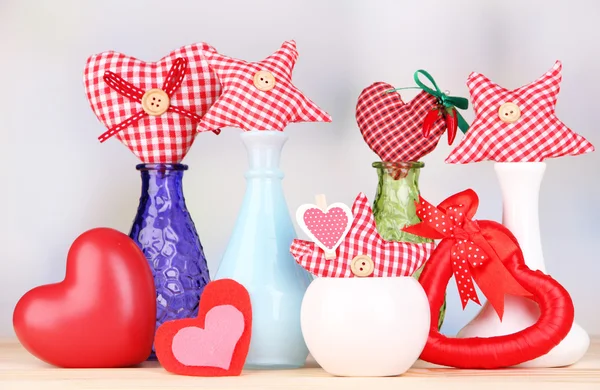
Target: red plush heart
x=555 y=304
x=101 y=315
x=215 y=343
x=164 y=138
x=394 y=129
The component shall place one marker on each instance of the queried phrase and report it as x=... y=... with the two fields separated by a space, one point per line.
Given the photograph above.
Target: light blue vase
x=258 y=256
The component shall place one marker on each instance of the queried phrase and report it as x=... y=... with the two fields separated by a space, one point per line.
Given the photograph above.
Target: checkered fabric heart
x=394 y=129
x=390 y=258
x=116 y=84
x=249 y=104
x=518 y=125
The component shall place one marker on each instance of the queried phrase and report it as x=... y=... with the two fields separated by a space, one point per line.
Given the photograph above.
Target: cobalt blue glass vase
x=258 y=256
x=165 y=232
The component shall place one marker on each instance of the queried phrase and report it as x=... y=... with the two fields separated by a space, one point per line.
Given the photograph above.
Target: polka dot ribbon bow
x=473 y=253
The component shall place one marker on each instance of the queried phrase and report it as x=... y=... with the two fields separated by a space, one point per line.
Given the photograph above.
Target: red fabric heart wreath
x=489 y=254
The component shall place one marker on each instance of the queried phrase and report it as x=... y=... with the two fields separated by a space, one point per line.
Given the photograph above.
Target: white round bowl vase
x=365 y=326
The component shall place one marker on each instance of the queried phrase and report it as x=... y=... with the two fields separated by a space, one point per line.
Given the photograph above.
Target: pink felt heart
x=394 y=129
x=223 y=328
x=164 y=138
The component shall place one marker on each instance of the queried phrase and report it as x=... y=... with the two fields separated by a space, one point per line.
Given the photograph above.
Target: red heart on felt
x=215 y=343
x=556 y=306
x=394 y=129
x=101 y=315
x=165 y=138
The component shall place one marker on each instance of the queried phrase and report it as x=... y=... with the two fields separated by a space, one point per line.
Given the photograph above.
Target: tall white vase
x=520 y=185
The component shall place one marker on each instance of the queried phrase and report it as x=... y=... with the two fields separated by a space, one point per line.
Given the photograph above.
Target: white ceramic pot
x=520 y=184
x=365 y=326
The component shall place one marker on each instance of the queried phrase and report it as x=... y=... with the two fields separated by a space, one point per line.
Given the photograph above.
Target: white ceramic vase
x=520 y=185
x=365 y=326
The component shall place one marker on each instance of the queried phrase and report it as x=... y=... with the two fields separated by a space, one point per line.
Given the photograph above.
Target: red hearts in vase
x=392 y=128
x=101 y=315
x=215 y=343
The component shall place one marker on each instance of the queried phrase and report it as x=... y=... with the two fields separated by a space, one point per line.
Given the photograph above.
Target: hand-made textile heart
x=394 y=129
x=101 y=315
x=518 y=125
x=487 y=253
x=362 y=253
x=215 y=343
x=152 y=108
x=327 y=228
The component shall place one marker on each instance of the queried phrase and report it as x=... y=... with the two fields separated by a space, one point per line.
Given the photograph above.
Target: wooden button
x=509 y=112
x=362 y=266
x=264 y=81
x=155 y=102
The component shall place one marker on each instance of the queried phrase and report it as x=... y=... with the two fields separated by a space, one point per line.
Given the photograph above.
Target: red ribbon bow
x=473 y=255
x=172 y=83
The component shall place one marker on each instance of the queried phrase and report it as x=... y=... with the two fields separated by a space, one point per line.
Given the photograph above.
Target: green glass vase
x=394 y=206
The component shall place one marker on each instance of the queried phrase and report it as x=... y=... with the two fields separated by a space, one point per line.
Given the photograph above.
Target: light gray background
x=58 y=181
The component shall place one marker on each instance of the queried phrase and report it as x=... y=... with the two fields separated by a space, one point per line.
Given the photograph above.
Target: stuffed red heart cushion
x=152 y=108
x=495 y=276
x=101 y=315
x=392 y=128
x=216 y=343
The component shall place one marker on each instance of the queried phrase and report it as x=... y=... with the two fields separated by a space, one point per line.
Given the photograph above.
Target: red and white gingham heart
x=327 y=228
x=394 y=129
x=165 y=138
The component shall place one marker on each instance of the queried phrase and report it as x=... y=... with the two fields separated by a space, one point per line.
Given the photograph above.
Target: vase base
x=519 y=314
x=568 y=352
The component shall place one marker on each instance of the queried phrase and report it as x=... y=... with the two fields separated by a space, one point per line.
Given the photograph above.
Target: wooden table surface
x=19 y=370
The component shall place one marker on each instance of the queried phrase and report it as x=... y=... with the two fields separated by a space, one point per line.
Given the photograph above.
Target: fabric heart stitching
x=172 y=83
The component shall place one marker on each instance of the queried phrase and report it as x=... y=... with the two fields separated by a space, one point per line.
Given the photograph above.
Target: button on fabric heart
x=264 y=80
x=394 y=129
x=155 y=102
x=509 y=112
x=362 y=266
x=121 y=90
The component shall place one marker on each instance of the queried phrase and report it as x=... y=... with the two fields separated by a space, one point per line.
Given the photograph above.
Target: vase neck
x=394 y=205
x=520 y=185
x=164 y=180
x=264 y=153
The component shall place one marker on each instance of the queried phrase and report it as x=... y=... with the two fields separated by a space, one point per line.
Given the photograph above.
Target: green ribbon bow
x=445 y=100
